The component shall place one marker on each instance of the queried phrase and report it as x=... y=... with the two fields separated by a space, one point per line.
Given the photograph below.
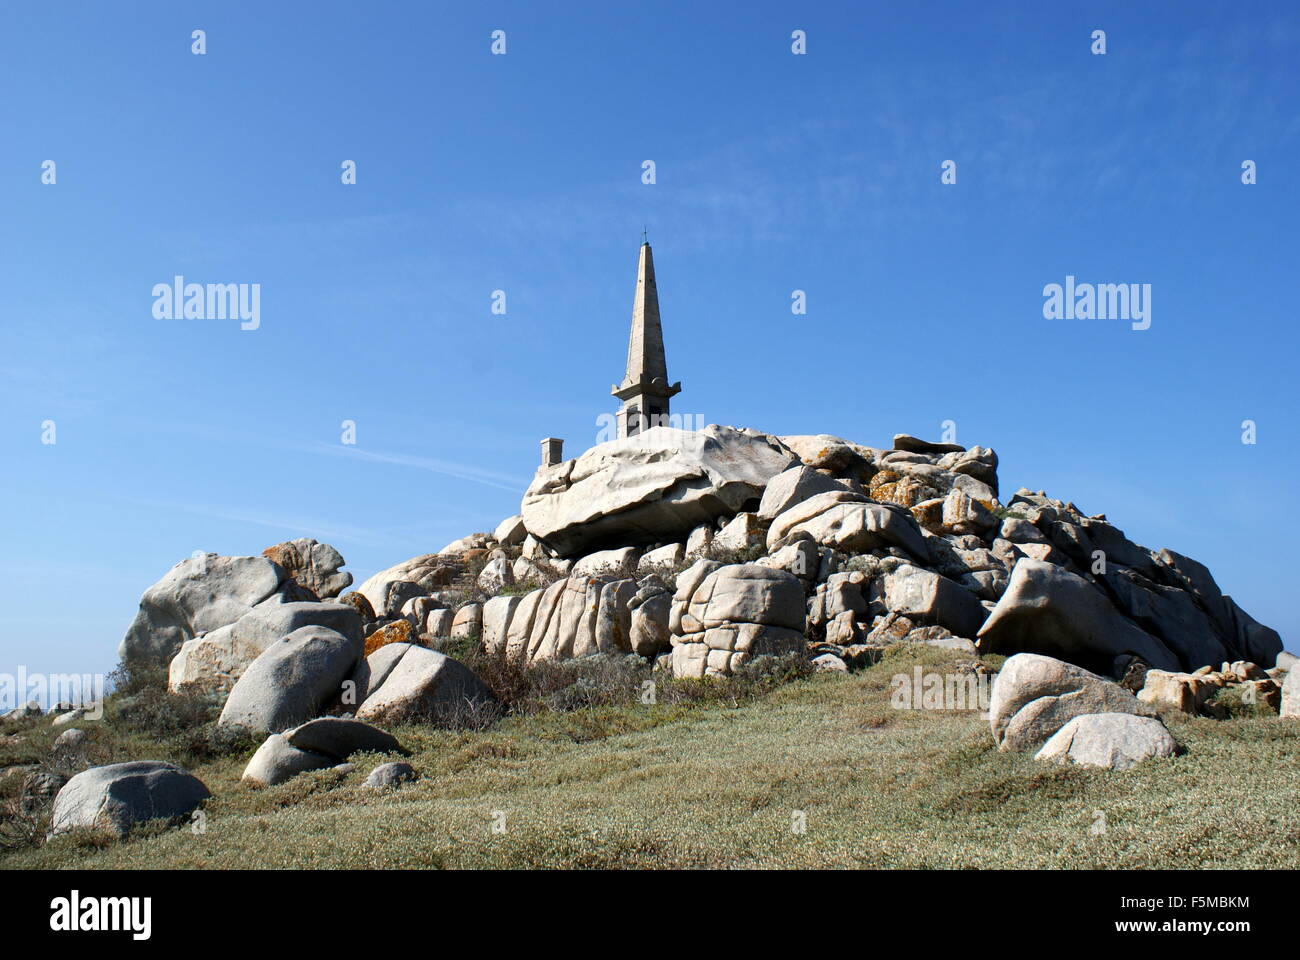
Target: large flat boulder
x=1034 y=696
x=1111 y=741
x=1046 y=609
x=278 y=760
x=292 y=680
x=851 y=523
x=200 y=594
x=654 y=487
x=119 y=795
x=340 y=737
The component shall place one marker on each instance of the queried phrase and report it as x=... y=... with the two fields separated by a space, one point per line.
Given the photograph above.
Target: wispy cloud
x=299 y=526
x=462 y=471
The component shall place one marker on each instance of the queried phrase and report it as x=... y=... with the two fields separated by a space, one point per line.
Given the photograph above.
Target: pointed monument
x=645 y=390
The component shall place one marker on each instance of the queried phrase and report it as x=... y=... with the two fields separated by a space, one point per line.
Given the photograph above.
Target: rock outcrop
x=723 y=616
x=1047 y=609
x=1034 y=696
x=420 y=576
x=654 y=488
x=212 y=663
x=314 y=565
x=201 y=593
x=291 y=680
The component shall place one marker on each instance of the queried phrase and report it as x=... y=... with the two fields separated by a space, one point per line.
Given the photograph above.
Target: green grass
x=716 y=780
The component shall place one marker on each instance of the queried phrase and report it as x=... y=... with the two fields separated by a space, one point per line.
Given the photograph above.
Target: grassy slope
x=713 y=786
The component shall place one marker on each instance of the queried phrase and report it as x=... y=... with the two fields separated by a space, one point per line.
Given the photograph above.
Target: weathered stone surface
x=1291 y=694
x=829 y=663
x=794 y=486
x=651 y=610
x=277 y=760
x=963 y=513
x=468 y=621
x=614 y=617
x=496 y=574
x=510 y=532
x=421 y=684
x=834 y=455
x=474 y=541
x=851 y=524
x=891 y=486
x=841 y=593
x=724 y=615
x=212 y=663
x=1048 y=610
x=845 y=629
x=426 y=573
x=359 y=603
x=653 y=487
x=741 y=532
x=1170 y=614
x=570 y=626
x=340 y=737
x=438 y=623
x=314 y=565
x=669 y=557
x=699 y=540
x=1112 y=741
x=386 y=776
x=1255 y=641
x=1181 y=691
x=800 y=557
x=198 y=595
x=120 y=795
x=745 y=593
x=928 y=598
x=417 y=610
x=291 y=680
x=69 y=741
x=1034 y=696
x=618 y=562
x=496 y=621
x=396 y=631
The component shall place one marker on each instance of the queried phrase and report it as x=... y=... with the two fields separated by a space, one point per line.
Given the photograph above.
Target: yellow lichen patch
x=904 y=491
x=399 y=631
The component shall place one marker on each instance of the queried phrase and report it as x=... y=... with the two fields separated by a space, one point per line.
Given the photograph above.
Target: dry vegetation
x=582 y=773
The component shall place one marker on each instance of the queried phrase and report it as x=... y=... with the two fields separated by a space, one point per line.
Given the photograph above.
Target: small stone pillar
x=552 y=451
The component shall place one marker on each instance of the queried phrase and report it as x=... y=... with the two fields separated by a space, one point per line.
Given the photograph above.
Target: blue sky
x=522 y=172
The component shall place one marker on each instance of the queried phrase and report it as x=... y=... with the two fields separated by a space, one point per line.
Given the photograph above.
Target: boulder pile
x=705 y=549
x=703 y=552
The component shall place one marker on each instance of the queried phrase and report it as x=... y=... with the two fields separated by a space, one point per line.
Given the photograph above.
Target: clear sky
x=522 y=172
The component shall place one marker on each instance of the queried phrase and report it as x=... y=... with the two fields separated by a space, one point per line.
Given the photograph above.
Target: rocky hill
x=709 y=554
